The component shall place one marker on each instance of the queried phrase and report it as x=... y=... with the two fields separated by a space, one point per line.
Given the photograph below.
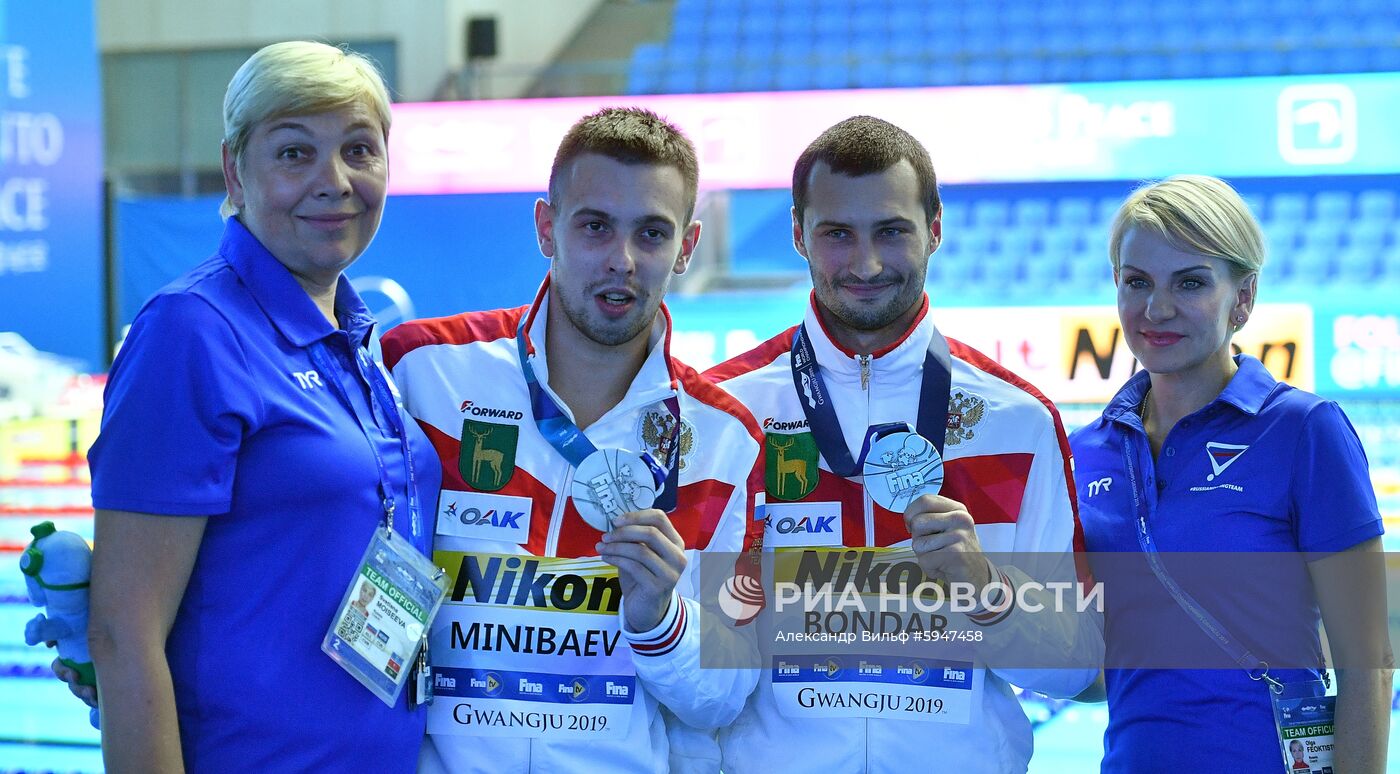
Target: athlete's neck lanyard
x=1256 y=668
x=379 y=393
x=934 y=389
x=574 y=446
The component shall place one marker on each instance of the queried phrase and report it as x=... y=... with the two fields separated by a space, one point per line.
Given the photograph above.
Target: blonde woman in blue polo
x=250 y=447
x=1214 y=455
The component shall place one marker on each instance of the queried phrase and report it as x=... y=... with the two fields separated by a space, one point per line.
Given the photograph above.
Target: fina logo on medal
x=655 y=429
x=901 y=467
x=790 y=465
x=486 y=458
x=965 y=412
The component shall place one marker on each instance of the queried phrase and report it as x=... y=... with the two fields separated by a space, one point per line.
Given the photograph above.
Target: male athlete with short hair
x=865 y=405
x=583 y=470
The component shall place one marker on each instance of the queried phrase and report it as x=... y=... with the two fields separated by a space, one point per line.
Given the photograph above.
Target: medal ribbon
x=574 y=446
x=934 y=389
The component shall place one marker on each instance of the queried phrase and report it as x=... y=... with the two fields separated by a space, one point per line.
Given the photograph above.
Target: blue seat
x=1015 y=244
x=718 y=77
x=870 y=74
x=831 y=75
x=1224 y=64
x=1063 y=242
x=1308 y=61
x=754 y=78
x=1186 y=64
x=1064 y=69
x=1025 y=69
x=941 y=71
x=1313 y=266
x=681 y=80
x=1104 y=67
x=1332 y=206
x=1348 y=59
x=1031 y=213
x=1104 y=211
x=1357 y=267
x=1289 y=207
x=990 y=213
x=905 y=74
x=1074 y=211
x=1264 y=61
x=1376 y=204
x=1044 y=272
x=984 y=71
x=1061 y=39
x=1368 y=235
x=1146 y=67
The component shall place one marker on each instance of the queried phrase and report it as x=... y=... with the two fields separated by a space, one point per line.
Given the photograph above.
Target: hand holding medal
x=945 y=541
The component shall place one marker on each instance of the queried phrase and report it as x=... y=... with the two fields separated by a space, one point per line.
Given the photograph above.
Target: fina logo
x=807 y=524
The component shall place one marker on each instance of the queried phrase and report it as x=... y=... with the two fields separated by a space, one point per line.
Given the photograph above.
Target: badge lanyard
x=574 y=446
x=1255 y=667
x=379 y=393
x=1299 y=709
x=934 y=388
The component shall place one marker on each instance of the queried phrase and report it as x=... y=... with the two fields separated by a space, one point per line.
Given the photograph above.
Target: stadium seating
x=1050 y=242
x=753 y=45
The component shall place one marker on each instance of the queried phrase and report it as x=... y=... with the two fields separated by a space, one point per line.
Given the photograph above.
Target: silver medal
x=609 y=483
x=901 y=467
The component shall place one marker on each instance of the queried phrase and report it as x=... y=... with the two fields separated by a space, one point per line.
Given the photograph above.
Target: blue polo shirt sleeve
x=1333 y=503
x=177 y=406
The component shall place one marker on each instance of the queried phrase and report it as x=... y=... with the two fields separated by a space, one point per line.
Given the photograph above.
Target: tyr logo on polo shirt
x=1222 y=456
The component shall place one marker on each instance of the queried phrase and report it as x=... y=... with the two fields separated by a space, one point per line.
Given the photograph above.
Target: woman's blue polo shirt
x=215 y=407
x=1264 y=467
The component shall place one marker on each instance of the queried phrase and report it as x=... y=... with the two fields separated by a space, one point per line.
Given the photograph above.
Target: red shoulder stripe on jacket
x=754 y=359
x=984 y=363
x=464 y=328
x=703 y=390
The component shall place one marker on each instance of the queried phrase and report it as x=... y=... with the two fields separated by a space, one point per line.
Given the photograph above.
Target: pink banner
x=744 y=140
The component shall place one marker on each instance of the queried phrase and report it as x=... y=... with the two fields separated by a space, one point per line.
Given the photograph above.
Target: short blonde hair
x=1195 y=213
x=298 y=77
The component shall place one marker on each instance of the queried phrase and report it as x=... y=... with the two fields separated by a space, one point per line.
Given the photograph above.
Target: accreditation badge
x=900 y=467
x=381 y=619
x=1304 y=718
x=857 y=634
x=530 y=646
x=611 y=482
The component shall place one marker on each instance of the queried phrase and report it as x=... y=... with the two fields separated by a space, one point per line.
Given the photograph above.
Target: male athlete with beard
x=865 y=405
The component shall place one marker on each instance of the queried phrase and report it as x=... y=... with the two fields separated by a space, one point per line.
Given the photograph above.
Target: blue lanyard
x=574 y=446
x=379 y=393
x=1256 y=668
x=934 y=388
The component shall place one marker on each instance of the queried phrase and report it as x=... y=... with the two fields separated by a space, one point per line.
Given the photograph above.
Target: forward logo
x=1223 y=455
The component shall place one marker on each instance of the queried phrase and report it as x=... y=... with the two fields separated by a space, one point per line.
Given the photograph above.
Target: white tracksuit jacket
x=1007 y=460
x=505 y=493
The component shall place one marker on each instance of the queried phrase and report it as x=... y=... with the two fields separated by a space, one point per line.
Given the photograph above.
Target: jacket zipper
x=556 y=517
x=866 y=502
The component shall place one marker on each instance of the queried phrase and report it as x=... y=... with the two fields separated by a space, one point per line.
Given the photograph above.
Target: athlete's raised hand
x=649 y=556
